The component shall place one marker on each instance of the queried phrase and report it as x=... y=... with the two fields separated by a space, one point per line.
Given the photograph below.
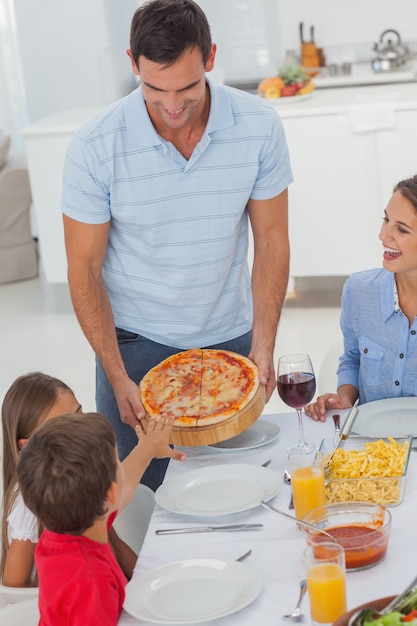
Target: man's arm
x=269 y=220
x=86 y=247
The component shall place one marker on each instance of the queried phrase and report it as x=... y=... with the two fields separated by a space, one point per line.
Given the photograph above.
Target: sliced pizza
x=200 y=387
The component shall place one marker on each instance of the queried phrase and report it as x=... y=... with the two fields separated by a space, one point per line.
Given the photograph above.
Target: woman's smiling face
x=399 y=235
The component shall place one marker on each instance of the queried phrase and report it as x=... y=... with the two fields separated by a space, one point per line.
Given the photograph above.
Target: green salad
x=395 y=619
x=405 y=613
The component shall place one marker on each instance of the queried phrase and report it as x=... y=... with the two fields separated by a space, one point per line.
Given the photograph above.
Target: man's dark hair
x=66 y=469
x=162 y=30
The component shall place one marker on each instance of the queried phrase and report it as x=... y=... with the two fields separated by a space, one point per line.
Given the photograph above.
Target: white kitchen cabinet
x=333 y=226
x=396 y=153
x=343 y=179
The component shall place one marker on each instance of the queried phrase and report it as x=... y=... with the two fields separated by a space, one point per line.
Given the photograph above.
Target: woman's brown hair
x=408 y=189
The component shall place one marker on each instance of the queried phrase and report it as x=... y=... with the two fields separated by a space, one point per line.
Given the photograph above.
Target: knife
x=207 y=529
x=336 y=419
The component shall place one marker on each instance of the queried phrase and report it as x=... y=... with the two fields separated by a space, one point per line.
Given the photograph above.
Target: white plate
x=218 y=490
x=259 y=434
x=192 y=591
x=390 y=417
x=287 y=99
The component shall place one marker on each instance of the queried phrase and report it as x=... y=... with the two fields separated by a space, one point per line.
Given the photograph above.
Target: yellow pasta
x=372 y=474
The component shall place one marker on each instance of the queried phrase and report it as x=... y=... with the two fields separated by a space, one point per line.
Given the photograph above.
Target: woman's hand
x=317 y=409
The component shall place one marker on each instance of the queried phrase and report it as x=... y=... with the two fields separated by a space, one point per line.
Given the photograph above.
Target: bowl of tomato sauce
x=363 y=529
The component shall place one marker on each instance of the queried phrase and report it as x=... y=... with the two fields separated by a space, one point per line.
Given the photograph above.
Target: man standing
x=157 y=193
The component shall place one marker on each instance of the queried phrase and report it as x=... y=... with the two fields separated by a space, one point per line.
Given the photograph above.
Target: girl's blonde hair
x=25 y=404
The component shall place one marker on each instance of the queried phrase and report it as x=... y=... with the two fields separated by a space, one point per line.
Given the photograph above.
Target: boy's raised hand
x=154 y=436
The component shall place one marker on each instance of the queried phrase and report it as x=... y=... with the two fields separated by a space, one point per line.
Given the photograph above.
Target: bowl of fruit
x=292 y=81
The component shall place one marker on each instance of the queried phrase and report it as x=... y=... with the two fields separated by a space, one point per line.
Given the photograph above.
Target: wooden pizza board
x=206 y=435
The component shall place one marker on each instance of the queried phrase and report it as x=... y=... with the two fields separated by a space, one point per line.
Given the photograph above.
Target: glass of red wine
x=296 y=385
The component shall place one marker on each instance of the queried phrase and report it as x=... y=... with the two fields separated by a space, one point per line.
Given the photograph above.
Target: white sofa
x=18 y=251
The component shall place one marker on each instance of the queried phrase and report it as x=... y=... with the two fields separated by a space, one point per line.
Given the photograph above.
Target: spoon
x=297 y=521
x=296 y=615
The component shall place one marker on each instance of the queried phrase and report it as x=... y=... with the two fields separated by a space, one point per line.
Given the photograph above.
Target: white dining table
x=277 y=549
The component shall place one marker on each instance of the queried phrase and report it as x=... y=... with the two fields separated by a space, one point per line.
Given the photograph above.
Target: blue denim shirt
x=380 y=348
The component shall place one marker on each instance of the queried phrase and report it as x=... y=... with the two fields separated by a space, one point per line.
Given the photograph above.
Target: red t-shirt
x=80 y=581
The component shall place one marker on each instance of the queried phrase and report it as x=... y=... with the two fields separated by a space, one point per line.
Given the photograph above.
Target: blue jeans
x=139 y=356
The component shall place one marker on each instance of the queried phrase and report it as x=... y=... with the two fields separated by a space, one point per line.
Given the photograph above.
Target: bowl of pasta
x=367 y=469
x=363 y=529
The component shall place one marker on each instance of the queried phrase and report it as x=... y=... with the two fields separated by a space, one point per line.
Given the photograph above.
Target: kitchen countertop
x=321 y=102
x=340 y=100
x=363 y=74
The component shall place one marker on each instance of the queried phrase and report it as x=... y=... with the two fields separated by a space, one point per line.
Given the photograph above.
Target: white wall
x=73 y=53
x=340 y=22
x=246 y=36
x=242 y=28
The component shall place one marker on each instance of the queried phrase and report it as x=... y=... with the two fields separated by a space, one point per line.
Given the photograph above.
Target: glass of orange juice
x=307 y=480
x=326 y=581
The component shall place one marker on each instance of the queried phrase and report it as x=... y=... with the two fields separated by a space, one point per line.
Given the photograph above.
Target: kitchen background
x=72 y=54
x=67 y=56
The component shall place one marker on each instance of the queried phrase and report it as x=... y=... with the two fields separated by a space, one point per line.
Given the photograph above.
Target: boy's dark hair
x=66 y=469
x=162 y=30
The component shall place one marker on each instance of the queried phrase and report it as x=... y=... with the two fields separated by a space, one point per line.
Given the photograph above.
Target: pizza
x=200 y=387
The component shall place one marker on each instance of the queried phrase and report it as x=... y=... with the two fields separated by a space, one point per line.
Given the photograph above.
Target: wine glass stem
x=301 y=437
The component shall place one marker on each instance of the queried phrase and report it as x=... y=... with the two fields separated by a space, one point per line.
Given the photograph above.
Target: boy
x=72 y=480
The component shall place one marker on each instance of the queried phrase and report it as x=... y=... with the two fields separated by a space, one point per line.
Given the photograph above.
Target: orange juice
x=308 y=489
x=327 y=592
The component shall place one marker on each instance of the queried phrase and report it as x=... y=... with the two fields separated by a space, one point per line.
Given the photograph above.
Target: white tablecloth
x=277 y=550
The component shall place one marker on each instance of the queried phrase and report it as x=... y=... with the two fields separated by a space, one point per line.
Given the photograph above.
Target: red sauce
x=361 y=550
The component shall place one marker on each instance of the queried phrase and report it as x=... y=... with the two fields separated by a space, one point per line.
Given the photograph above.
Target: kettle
x=390 y=55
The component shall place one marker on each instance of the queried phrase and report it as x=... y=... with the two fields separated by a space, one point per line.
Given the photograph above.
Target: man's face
x=174 y=94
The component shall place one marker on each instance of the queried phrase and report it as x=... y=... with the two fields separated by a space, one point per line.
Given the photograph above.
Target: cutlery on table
x=297 y=521
x=287 y=481
x=207 y=529
x=268 y=462
x=336 y=419
x=244 y=556
x=296 y=615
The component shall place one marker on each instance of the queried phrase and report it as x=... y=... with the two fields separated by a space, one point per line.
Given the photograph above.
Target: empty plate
x=192 y=591
x=259 y=434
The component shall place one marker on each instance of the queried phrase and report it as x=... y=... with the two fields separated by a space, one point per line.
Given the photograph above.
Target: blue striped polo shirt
x=176 y=266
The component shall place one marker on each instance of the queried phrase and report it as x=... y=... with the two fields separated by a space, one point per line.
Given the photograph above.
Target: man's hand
x=128 y=401
x=265 y=365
